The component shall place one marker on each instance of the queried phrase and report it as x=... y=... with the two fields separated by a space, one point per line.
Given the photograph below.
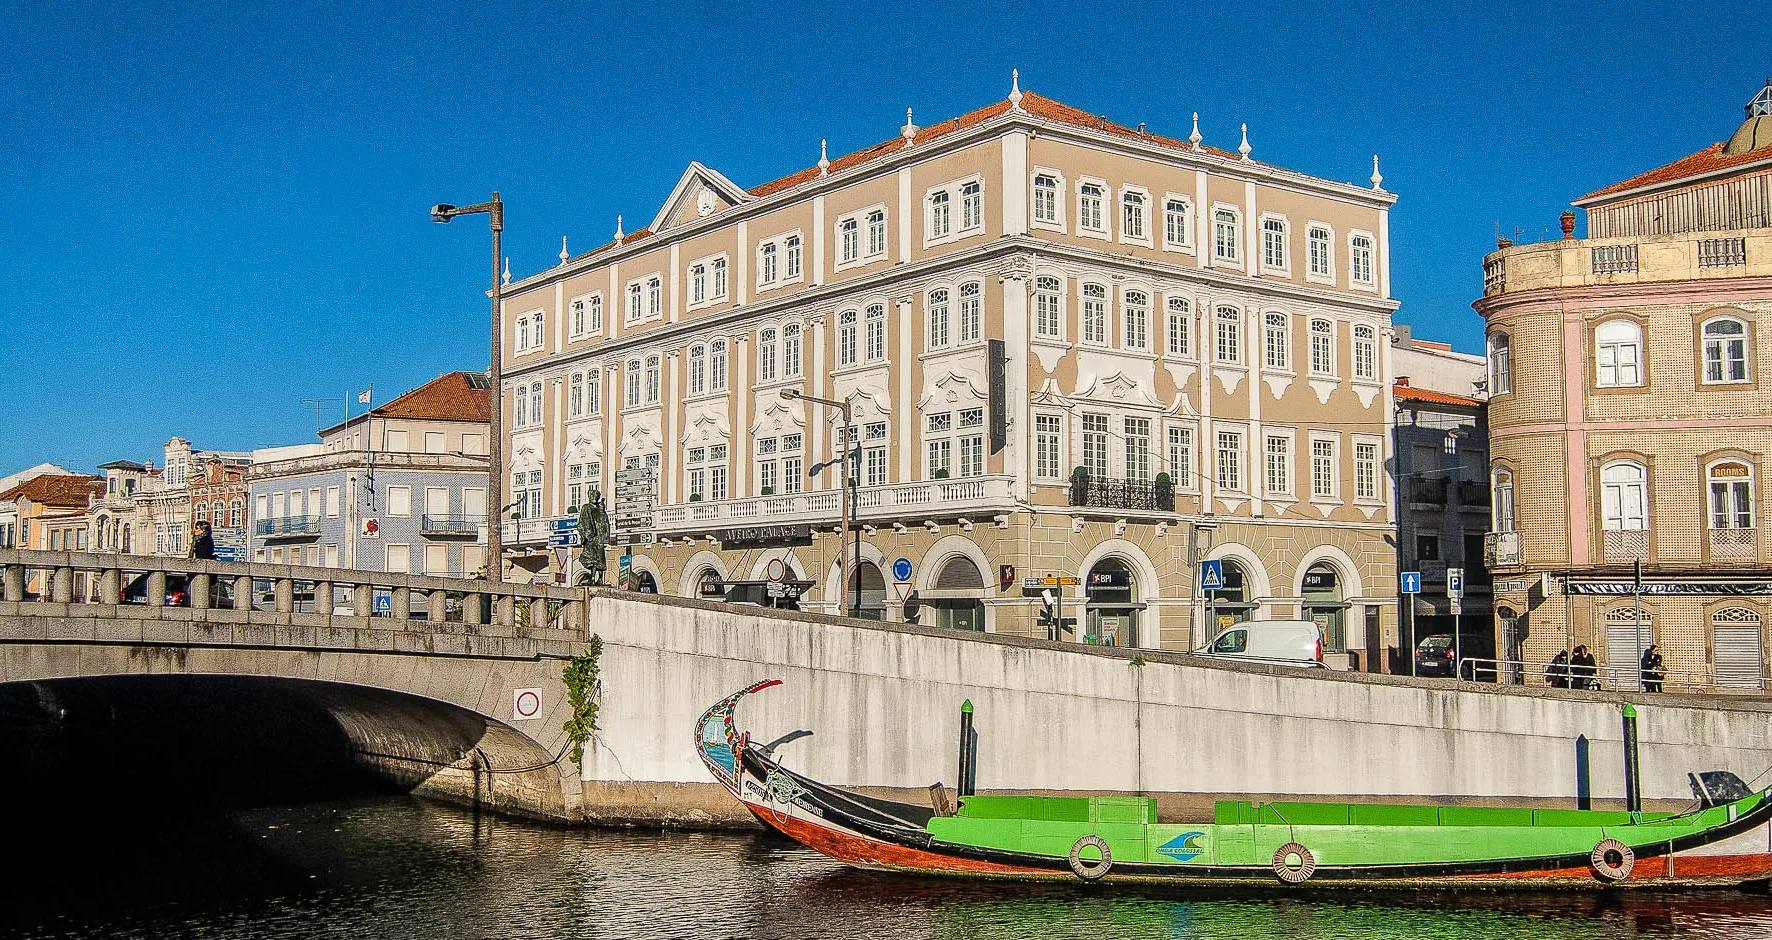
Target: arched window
x=1089 y=207
x=652 y=380
x=876 y=333
x=1365 y=352
x=1501 y=365
x=938 y=318
x=1736 y=643
x=1618 y=354
x=1094 y=313
x=698 y=369
x=1731 y=495
x=1322 y=347
x=1132 y=217
x=1228 y=335
x=1225 y=235
x=202 y=512
x=1624 y=496
x=1181 y=327
x=717 y=365
x=766 y=352
x=1276 y=341
x=1725 y=350
x=846 y=338
x=1045 y=198
x=790 y=350
x=971 y=206
x=575 y=399
x=1135 y=312
x=1503 y=502
x=1046 y=306
x=633 y=382
x=971 y=317
x=941 y=219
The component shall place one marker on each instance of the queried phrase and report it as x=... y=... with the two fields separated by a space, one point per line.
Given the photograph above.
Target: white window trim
x=1371 y=285
x=1291 y=369
x=1186 y=246
x=1105 y=233
x=860 y=216
x=1242 y=262
x=1242 y=429
x=780 y=241
x=1353 y=353
x=955 y=216
x=1120 y=216
x=1310 y=275
x=1640 y=344
x=1156 y=323
x=1494 y=374
x=1283 y=270
x=1063 y=440
x=1193 y=338
x=1107 y=304
x=1290 y=436
x=1061 y=224
x=1378 y=472
x=712 y=299
x=589 y=330
x=1747 y=348
x=1335 y=483
x=523 y=347
x=1034 y=334
x=1310 y=349
x=641 y=316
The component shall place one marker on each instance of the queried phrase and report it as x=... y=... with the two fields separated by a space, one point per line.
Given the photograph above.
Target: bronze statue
x=593 y=537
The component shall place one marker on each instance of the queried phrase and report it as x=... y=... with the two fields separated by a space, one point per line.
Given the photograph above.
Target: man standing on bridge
x=202 y=546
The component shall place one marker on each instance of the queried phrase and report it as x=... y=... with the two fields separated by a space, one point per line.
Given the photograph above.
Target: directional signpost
x=1455 y=596
x=1410 y=586
x=635 y=493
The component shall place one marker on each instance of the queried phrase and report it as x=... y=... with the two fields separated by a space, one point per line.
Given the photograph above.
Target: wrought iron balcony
x=1429 y=492
x=1501 y=550
x=445 y=526
x=1473 y=496
x=1106 y=493
x=286 y=527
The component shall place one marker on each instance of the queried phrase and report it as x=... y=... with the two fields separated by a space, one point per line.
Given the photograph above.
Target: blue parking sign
x=1411 y=582
x=1212 y=575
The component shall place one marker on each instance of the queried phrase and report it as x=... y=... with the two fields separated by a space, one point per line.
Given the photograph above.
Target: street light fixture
x=846 y=599
x=495 y=213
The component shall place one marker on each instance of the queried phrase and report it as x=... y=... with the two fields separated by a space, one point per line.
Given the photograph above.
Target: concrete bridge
x=280 y=666
x=441 y=685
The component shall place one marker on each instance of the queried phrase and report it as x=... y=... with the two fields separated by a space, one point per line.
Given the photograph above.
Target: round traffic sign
x=901 y=569
x=777 y=570
x=528 y=703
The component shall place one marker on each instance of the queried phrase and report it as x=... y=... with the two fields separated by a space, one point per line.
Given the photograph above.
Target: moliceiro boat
x=1725 y=840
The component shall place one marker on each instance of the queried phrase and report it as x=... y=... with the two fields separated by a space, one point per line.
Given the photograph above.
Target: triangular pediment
x=700 y=192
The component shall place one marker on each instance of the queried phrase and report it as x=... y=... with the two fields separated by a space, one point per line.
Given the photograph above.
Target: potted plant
x=940 y=474
x=1163 y=491
x=767 y=491
x=695 y=497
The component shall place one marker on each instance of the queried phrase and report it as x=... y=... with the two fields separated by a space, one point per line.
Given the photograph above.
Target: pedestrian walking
x=202 y=545
x=1557 y=673
x=1653 y=673
x=1581 y=670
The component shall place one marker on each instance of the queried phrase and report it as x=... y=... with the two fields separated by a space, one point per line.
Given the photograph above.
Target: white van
x=1279 y=642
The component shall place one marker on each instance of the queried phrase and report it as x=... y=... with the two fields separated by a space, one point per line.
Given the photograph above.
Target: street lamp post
x=846 y=599
x=495 y=212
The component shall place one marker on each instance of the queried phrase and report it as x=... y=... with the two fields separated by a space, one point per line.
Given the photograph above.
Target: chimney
x=1568 y=222
x=1402 y=381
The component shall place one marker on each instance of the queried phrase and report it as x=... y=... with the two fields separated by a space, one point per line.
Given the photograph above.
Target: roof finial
x=1015 y=89
x=1195 y=138
x=824 y=159
x=1243 y=148
x=507 y=269
x=618 y=233
x=563 y=253
x=909 y=130
x=1377 y=177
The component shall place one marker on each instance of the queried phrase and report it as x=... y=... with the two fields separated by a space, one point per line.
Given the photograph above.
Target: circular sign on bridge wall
x=777 y=570
x=901 y=570
x=525 y=703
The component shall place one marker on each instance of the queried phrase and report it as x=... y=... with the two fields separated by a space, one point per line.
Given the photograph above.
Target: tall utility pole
x=495 y=547
x=846 y=601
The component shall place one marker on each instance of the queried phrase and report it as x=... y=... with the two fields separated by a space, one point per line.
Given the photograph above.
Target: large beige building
x=1628 y=421
x=1192 y=365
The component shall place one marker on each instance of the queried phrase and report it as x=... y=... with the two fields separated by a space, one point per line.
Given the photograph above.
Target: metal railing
x=1473 y=495
x=1431 y=492
x=1606 y=678
x=287 y=526
x=982 y=495
x=450 y=525
x=78 y=583
x=1108 y=493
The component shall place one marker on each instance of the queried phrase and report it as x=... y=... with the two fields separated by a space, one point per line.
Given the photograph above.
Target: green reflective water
x=393 y=867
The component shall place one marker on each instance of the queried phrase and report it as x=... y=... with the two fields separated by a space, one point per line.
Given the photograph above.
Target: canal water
x=397 y=867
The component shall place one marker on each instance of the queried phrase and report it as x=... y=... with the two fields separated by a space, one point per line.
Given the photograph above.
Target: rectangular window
x=1095 y=430
x=874 y=471
x=1178 y=229
x=1225 y=236
x=332 y=502
x=1138 y=449
x=1180 y=326
x=399 y=500
x=1181 y=456
x=399 y=559
x=437 y=501
x=941 y=219
x=1046 y=198
x=1047 y=429
x=940 y=458
x=1089 y=196
x=1273 y=244
x=1230 y=461
x=971 y=456
x=971 y=206
x=1322 y=258
x=1228 y=334
x=1360 y=259
x=876 y=232
x=433 y=442
x=1323 y=469
x=1365 y=470
x=1279 y=466
x=1132 y=208
x=1094 y=313
x=394 y=442
x=436 y=559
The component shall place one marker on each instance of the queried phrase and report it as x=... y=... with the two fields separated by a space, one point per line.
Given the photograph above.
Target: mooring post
x=968 y=748
x=1633 y=796
x=1584 y=798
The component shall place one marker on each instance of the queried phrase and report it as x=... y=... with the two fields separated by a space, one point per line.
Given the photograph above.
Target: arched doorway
x=872 y=603
x=952 y=607
x=1513 y=644
x=642 y=581
x=1231 y=604
x=709 y=586
x=1319 y=591
x=1112 y=607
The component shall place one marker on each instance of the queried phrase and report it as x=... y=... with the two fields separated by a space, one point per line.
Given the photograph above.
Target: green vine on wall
x=580 y=676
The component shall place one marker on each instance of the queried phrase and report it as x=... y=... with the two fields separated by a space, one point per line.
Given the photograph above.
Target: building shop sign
x=1626 y=589
x=797 y=533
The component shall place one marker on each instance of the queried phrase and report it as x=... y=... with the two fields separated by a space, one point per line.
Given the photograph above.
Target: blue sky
x=213 y=212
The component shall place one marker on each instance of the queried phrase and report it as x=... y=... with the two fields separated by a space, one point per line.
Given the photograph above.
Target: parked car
x=1279 y=642
x=136 y=591
x=1433 y=655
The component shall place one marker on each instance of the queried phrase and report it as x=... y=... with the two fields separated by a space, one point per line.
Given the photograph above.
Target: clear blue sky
x=212 y=212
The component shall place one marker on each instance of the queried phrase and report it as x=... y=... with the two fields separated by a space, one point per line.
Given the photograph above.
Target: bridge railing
x=133 y=583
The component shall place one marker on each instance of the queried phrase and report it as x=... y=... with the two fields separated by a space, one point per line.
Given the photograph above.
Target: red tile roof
x=1411 y=393
x=445 y=398
x=1708 y=160
x=58 y=489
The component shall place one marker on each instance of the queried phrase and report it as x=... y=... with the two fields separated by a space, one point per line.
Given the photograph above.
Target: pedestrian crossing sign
x=1211 y=575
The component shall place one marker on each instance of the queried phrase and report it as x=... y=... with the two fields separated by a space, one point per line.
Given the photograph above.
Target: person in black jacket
x=202 y=546
x=1557 y=673
x=1653 y=672
x=1581 y=669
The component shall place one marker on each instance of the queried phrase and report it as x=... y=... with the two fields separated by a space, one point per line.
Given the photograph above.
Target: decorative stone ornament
x=1243 y=148
x=1015 y=89
x=1377 y=177
x=618 y=233
x=824 y=159
x=704 y=203
x=909 y=130
x=507 y=269
x=1195 y=138
x=563 y=252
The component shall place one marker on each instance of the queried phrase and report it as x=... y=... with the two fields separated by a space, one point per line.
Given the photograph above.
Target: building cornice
x=1683 y=182
x=1552 y=299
